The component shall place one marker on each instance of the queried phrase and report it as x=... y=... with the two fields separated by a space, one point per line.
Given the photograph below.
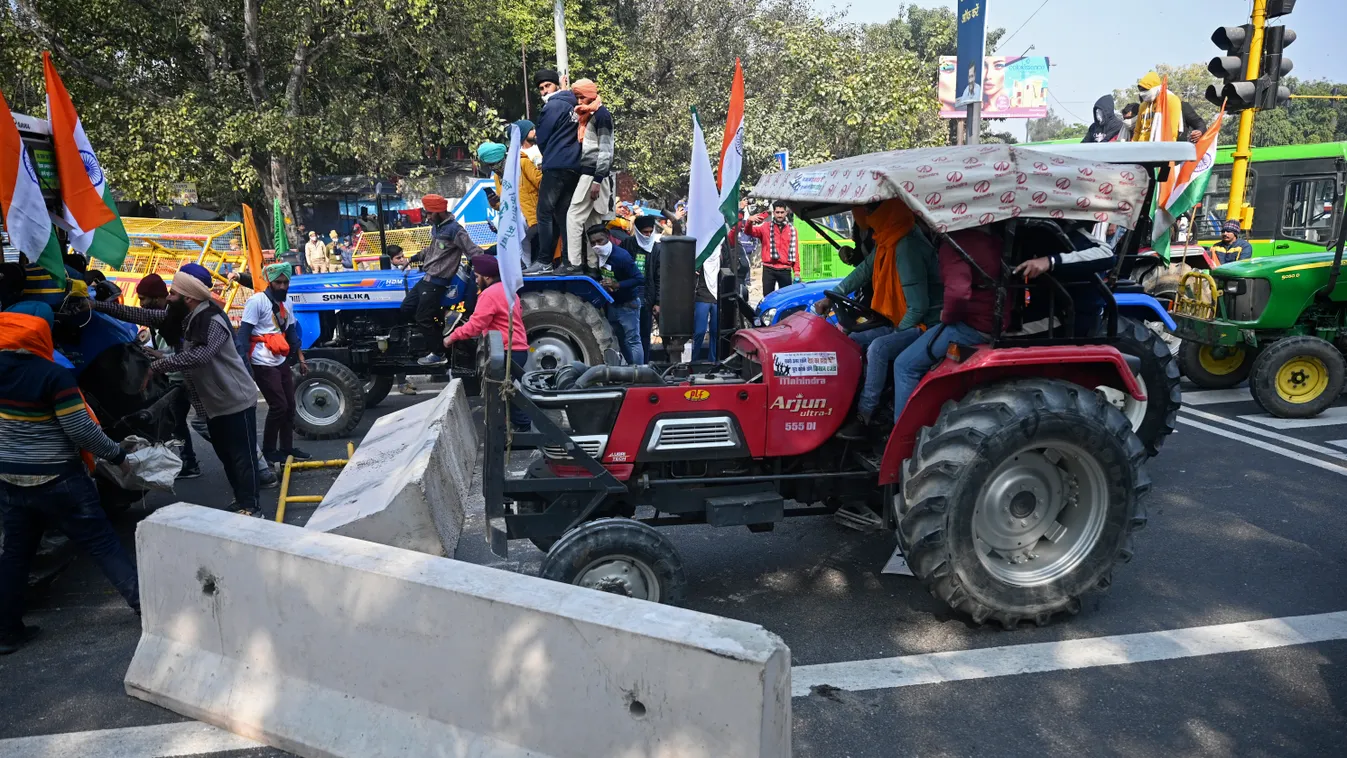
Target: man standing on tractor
x=620 y=278
x=780 y=247
x=593 y=199
x=269 y=337
x=1231 y=248
x=492 y=155
x=449 y=243
x=216 y=377
x=561 y=150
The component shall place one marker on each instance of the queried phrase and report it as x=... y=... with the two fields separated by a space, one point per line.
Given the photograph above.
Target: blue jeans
x=705 y=316
x=864 y=339
x=626 y=321
x=71 y=505
x=913 y=363
x=879 y=355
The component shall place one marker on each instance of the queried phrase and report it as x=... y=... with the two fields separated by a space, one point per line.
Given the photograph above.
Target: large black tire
x=1215 y=368
x=563 y=328
x=986 y=443
x=1154 y=419
x=329 y=400
x=1298 y=377
x=621 y=556
x=376 y=389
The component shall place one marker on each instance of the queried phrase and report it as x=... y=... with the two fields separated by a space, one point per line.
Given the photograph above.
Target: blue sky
x=1096 y=45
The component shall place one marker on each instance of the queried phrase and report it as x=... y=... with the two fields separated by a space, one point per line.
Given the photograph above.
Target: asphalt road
x=1246 y=524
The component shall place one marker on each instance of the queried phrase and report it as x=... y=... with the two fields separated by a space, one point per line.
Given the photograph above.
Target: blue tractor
x=356 y=339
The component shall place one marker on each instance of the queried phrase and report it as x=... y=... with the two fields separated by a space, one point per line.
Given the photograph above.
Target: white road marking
x=1330 y=417
x=1338 y=443
x=1265 y=433
x=1268 y=446
x=1213 y=397
x=159 y=741
x=960 y=665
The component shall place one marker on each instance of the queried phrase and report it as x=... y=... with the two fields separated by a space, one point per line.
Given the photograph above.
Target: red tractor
x=1014 y=485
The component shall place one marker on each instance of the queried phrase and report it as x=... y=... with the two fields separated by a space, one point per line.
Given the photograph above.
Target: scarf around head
x=890 y=223
x=586 y=88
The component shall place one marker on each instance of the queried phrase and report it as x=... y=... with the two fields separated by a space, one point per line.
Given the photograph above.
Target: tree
x=1300 y=121
x=1054 y=127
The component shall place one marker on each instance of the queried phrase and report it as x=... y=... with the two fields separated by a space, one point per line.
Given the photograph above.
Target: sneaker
x=298 y=454
x=190 y=470
x=407 y=388
x=253 y=512
x=266 y=478
x=432 y=360
x=567 y=270
x=274 y=456
x=538 y=268
x=10 y=643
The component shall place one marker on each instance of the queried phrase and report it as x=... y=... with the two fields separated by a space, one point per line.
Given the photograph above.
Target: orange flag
x=75 y=160
x=252 y=247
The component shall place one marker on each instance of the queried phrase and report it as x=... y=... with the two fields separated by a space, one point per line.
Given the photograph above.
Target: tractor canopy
x=954 y=188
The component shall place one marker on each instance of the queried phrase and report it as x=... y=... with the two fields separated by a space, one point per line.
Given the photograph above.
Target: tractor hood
x=1275 y=267
x=350 y=288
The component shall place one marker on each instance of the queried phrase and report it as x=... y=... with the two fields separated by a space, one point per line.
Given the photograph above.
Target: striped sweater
x=43 y=420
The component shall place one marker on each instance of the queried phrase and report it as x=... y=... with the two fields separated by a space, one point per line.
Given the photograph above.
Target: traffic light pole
x=1239 y=172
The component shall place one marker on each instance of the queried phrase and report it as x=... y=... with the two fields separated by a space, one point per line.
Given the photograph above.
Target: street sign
x=783 y=159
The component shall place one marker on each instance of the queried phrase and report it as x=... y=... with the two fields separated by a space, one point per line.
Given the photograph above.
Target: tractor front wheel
x=621 y=556
x=1022 y=498
x=1215 y=367
x=1152 y=419
x=1298 y=377
x=329 y=400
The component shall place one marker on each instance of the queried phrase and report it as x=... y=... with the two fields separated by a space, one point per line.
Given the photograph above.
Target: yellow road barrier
x=290 y=465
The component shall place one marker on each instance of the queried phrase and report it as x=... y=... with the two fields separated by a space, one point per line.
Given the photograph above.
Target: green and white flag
x=706 y=223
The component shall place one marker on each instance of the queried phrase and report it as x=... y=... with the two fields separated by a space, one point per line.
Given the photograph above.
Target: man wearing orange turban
x=593 y=201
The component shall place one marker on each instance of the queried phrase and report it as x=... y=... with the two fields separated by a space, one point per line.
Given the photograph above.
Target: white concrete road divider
x=323 y=645
x=409 y=479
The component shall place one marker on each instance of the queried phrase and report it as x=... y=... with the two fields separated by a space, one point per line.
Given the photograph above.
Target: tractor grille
x=593 y=445
x=1249 y=304
x=693 y=433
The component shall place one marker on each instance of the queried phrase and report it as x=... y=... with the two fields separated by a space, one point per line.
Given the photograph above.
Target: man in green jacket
x=919 y=273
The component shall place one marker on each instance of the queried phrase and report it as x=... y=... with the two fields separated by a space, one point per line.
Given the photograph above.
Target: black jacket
x=651 y=265
x=1107 y=123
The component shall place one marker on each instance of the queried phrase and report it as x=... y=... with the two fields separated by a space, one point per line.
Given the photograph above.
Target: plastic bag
x=153 y=467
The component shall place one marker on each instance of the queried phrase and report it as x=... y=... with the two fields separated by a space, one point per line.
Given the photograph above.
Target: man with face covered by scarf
x=645 y=251
x=270 y=339
x=217 y=379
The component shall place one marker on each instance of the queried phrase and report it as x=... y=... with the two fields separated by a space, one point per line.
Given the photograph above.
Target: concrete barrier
x=327 y=646
x=407 y=482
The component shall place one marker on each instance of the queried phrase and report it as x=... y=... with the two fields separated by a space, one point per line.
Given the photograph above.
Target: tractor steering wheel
x=855 y=317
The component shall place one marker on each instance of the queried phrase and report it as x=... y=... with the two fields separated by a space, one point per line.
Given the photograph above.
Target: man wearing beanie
x=44 y=427
x=561 y=148
x=528 y=140
x=216 y=377
x=449 y=243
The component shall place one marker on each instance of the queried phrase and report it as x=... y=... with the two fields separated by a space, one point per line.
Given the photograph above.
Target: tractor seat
x=1128 y=287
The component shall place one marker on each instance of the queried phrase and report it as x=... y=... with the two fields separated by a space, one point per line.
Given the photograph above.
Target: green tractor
x=1280 y=322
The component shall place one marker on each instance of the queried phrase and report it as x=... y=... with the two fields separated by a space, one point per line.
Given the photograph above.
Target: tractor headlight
x=766 y=318
x=1235 y=287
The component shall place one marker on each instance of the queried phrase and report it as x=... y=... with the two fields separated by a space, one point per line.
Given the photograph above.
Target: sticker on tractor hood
x=377 y=296
x=804 y=364
x=809 y=184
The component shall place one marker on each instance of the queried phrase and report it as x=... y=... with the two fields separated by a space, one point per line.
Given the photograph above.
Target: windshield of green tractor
x=1309 y=210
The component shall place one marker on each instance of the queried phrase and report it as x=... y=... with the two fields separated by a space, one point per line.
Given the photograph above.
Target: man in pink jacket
x=492 y=314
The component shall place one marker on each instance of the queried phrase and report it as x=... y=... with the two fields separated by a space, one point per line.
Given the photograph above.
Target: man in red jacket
x=780 y=247
x=968 y=315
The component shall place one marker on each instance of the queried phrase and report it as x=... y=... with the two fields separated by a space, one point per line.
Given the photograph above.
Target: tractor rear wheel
x=329 y=400
x=1022 y=498
x=1215 y=367
x=563 y=328
x=1298 y=377
x=618 y=555
x=1152 y=419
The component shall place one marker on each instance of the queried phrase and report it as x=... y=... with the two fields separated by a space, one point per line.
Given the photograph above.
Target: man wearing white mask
x=623 y=281
x=645 y=250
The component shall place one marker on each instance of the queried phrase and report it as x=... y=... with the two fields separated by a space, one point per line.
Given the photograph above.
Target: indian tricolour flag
x=90 y=211
x=25 y=212
x=732 y=150
x=706 y=223
x=1184 y=188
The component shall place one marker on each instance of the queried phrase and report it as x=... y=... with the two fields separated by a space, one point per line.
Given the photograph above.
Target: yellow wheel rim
x=1220 y=361
x=1302 y=379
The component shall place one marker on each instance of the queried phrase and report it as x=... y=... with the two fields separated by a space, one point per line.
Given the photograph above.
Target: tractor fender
x=1143 y=307
x=309 y=328
x=583 y=287
x=1089 y=366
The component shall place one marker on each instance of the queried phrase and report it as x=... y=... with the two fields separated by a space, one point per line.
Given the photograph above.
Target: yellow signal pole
x=1239 y=172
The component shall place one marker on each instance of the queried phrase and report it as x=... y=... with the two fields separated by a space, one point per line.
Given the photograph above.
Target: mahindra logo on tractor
x=1058 y=161
x=1083 y=203
x=1002 y=166
x=986 y=218
x=1040 y=166
x=1007 y=197
x=1021 y=179
x=1063 y=183
x=1057 y=214
x=1101 y=216
x=1040 y=197
x=802 y=406
x=1085 y=171
x=933 y=199
x=970 y=161
x=924 y=169
x=941 y=159
x=1106 y=189
x=1128 y=176
x=982 y=186
x=909 y=187
x=1015 y=211
x=959 y=209
x=1125 y=206
x=953 y=176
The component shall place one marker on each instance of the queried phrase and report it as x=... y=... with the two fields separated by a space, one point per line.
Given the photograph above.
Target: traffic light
x=1277 y=8
x=1236 y=92
x=1271 y=92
